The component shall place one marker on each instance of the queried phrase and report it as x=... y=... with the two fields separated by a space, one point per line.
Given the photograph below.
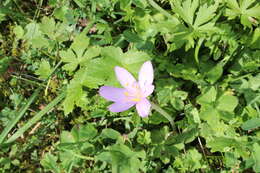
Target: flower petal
x=120 y=106
x=112 y=93
x=124 y=77
x=147 y=90
x=146 y=74
x=143 y=107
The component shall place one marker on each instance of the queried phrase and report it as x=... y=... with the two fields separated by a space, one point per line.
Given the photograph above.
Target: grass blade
x=37 y=117
x=13 y=122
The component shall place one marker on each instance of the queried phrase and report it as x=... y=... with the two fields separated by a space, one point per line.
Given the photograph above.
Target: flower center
x=134 y=93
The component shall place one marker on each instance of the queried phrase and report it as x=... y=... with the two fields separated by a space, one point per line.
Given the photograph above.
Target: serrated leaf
x=48 y=27
x=244 y=10
x=49 y=163
x=74 y=93
x=221 y=143
x=32 y=31
x=80 y=44
x=101 y=70
x=44 y=70
x=70 y=58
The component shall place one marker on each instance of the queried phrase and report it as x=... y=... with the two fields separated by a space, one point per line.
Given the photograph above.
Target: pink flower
x=133 y=93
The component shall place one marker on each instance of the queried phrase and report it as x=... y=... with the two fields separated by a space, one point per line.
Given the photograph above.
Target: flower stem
x=165 y=114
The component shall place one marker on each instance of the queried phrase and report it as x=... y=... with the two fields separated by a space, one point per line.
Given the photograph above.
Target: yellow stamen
x=126 y=93
x=136 y=99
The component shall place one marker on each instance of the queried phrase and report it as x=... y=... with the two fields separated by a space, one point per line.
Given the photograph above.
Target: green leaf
x=100 y=71
x=70 y=58
x=144 y=137
x=244 y=9
x=131 y=37
x=74 y=94
x=32 y=31
x=125 y=159
x=208 y=96
x=185 y=137
x=49 y=163
x=110 y=133
x=220 y=144
x=251 y=124
x=18 y=31
x=80 y=44
x=44 y=69
x=186 y=9
x=77 y=54
x=84 y=132
x=214 y=73
x=200 y=24
x=256 y=156
x=227 y=103
x=4 y=63
x=48 y=27
x=177 y=103
x=164 y=96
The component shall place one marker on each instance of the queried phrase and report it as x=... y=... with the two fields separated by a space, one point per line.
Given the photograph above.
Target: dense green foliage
x=55 y=54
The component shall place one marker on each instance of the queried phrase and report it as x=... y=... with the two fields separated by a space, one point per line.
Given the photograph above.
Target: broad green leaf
x=177 y=103
x=164 y=96
x=221 y=144
x=214 y=74
x=32 y=31
x=193 y=112
x=84 y=132
x=18 y=31
x=251 y=124
x=227 y=103
x=124 y=159
x=209 y=114
x=131 y=37
x=110 y=133
x=186 y=137
x=47 y=26
x=208 y=96
x=78 y=53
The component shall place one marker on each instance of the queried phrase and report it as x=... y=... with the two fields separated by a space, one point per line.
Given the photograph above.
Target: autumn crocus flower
x=133 y=93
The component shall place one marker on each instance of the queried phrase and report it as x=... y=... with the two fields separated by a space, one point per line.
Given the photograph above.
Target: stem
x=160 y=9
x=165 y=114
